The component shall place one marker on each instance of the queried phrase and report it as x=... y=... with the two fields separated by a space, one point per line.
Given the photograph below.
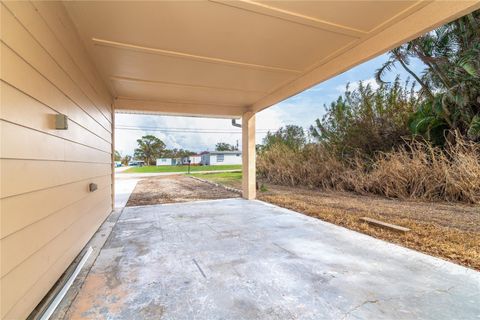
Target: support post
x=248 y=156
x=113 y=156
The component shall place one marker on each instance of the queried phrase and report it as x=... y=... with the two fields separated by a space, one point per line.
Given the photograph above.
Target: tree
x=117 y=156
x=149 y=149
x=450 y=81
x=126 y=159
x=176 y=153
x=223 y=146
x=291 y=136
x=366 y=120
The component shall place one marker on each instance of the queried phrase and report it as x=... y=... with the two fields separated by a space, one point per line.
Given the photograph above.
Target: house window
x=220 y=157
x=164 y=160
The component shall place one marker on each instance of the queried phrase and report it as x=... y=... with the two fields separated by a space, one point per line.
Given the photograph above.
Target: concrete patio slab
x=239 y=259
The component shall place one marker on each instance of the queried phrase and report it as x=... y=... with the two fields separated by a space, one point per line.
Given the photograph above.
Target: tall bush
x=366 y=120
x=415 y=170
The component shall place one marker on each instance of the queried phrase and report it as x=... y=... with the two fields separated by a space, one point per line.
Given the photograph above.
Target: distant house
x=194 y=159
x=164 y=162
x=169 y=161
x=221 y=157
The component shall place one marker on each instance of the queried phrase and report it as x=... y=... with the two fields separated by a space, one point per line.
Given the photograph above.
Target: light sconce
x=61 y=122
x=92 y=187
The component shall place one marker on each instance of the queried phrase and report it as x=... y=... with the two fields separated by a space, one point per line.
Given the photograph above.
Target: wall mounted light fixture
x=92 y=187
x=61 y=122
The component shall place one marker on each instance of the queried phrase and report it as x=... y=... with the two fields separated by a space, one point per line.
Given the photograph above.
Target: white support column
x=113 y=155
x=248 y=156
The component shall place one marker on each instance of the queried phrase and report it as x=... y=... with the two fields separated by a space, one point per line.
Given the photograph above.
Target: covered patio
x=69 y=66
x=232 y=59
x=239 y=259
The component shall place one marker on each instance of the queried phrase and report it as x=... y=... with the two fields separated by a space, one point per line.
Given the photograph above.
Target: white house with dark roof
x=221 y=157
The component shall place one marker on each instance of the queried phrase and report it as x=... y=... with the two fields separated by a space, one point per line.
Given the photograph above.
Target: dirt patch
x=174 y=188
x=449 y=231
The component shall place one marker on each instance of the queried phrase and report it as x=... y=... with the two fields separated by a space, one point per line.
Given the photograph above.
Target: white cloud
x=354 y=85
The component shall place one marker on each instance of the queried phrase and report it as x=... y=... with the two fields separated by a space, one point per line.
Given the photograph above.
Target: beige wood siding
x=47 y=211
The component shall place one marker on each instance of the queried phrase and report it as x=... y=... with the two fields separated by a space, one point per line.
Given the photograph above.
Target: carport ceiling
x=226 y=57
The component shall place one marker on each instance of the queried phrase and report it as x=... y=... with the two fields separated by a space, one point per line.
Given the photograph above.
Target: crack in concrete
x=444 y=290
x=285 y=250
x=347 y=314
x=199 y=269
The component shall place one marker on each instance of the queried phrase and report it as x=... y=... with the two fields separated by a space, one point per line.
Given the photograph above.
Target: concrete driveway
x=238 y=259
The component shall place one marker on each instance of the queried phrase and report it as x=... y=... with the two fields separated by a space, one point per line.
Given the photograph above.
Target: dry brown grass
x=415 y=171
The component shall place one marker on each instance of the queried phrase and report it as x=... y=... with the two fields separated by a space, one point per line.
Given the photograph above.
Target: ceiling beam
x=272 y=11
x=128 y=105
x=188 y=56
x=182 y=85
x=435 y=14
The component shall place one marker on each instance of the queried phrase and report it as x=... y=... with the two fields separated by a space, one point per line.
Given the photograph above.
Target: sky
x=201 y=134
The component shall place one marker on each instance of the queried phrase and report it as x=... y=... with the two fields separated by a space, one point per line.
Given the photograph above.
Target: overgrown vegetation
x=416 y=170
x=399 y=140
x=450 y=82
x=366 y=120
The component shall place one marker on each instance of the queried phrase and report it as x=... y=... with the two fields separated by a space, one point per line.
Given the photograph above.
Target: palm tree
x=400 y=55
x=450 y=82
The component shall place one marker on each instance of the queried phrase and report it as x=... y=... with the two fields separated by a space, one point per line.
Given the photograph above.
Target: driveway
x=239 y=259
x=121 y=169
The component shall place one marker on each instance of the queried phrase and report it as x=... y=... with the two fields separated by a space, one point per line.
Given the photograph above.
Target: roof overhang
x=224 y=58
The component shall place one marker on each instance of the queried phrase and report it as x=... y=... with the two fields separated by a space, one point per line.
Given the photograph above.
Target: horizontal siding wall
x=47 y=211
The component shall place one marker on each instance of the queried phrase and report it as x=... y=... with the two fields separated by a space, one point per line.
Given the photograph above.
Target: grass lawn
x=153 y=169
x=231 y=179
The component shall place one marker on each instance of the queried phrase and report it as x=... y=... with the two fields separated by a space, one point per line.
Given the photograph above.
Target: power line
x=189 y=128
x=184 y=130
x=174 y=129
